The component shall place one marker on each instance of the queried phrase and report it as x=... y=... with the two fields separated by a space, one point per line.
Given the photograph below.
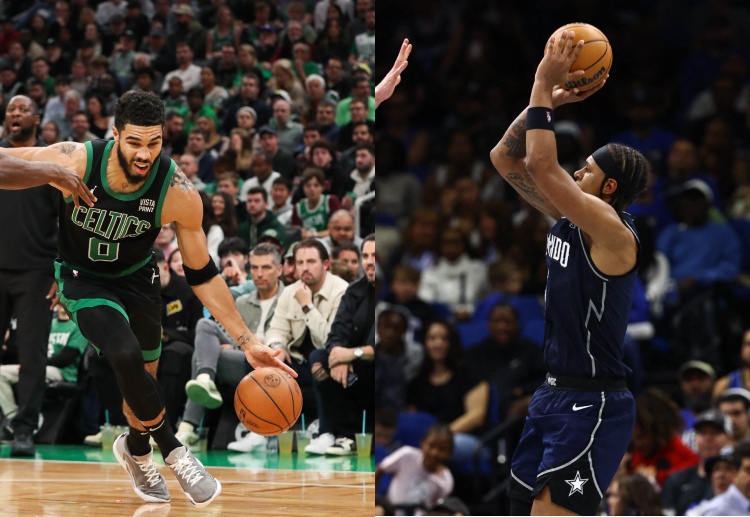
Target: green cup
x=364 y=444
x=285 y=442
x=302 y=441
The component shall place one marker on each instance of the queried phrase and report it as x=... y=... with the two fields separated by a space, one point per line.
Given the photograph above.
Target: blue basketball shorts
x=573 y=442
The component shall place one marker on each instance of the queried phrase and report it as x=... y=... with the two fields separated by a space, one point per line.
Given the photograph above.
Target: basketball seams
x=269 y=403
x=271 y=399
x=258 y=417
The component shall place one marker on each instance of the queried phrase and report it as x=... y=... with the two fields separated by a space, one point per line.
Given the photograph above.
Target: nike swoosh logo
x=578 y=408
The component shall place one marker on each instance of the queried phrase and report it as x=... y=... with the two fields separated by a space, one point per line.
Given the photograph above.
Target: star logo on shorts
x=576 y=484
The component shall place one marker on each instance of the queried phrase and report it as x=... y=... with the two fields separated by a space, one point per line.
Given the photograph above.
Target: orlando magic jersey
x=586 y=311
x=114 y=237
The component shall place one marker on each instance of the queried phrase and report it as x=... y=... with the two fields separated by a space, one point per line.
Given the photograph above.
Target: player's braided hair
x=634 y=167
x=139 y=108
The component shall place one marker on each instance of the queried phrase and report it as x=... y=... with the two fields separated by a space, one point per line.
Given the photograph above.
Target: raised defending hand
x=69 y=181
x=554 y=68
x=260 y=355
x=385 y=88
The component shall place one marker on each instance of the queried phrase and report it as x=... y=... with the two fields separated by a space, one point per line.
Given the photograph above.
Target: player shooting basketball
x=106 y=275
x=580 y=421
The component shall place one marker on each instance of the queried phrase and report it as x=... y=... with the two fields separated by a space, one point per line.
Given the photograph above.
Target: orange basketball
x=595 y=58
x=268 y=401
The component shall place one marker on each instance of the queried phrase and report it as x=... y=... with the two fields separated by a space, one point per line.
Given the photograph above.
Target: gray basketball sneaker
x=199 y=486
x=148 y=483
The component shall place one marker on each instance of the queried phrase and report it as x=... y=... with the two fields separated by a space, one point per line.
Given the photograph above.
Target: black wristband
x=540 y=118
x=202 y=275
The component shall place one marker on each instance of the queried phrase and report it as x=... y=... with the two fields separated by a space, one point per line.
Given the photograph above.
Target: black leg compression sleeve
x=109 y=331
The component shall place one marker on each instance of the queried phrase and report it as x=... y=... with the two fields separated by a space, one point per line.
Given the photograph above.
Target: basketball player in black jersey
x=581 y=420
x=109 y=281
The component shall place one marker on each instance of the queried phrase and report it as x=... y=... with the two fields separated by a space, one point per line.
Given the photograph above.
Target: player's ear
x=610 y=186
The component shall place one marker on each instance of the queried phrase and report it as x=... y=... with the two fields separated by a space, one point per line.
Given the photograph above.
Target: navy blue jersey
x=586 y=311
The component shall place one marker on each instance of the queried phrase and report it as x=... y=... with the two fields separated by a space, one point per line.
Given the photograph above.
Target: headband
x=606 y=162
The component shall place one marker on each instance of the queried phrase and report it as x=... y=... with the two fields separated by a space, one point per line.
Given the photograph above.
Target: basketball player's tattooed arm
x=62 y=170
x=185 y=208
x=181 y=181
x=509 y=156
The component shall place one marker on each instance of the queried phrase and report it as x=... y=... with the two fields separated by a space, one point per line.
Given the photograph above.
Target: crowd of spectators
x=463 y=259
x=270 y=113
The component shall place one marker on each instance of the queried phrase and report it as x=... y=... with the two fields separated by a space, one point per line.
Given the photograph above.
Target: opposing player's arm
x=508 y=157
x=61 y=165
x=183 y=205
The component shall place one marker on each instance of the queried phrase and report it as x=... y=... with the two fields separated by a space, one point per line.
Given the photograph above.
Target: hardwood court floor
x=79 y=481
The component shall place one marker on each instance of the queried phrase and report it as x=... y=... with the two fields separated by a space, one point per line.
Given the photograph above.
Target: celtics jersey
x=317 y=218
x=114 y=237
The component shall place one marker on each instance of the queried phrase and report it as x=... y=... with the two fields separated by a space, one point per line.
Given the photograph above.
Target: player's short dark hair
x=634 y=168
x=232 y=245
x=139 y=108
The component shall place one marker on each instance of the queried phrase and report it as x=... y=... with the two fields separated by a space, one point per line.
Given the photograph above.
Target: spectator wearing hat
x=289 y=270
x=363 y=47
x=739 y=378
x=691 y=485
x=269 y=49
x=187 y=30
x=704 y=256
x=735 y=404
x=360 y=91
x=189 y=73
x=283 y=162
x=263 y=11
x=736 y=500
x=249 y=95
x=108 y=9
x=697 y=380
